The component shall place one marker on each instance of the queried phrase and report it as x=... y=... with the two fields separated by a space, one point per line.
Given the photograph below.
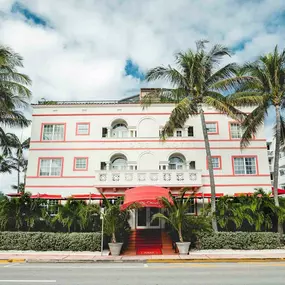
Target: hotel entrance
x=144 y=216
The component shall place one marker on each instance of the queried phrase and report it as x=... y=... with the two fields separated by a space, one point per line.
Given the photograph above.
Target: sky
x=94 y=49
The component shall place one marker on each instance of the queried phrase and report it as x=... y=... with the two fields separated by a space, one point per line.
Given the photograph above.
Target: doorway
x=144 y=216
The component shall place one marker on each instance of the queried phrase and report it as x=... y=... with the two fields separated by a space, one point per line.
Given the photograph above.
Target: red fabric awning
x=94 y=196
x=15 y=194
x=280 y=191
x=146 y=196
x=46 y=196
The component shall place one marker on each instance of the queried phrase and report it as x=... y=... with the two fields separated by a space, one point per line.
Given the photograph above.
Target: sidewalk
x=194 y=256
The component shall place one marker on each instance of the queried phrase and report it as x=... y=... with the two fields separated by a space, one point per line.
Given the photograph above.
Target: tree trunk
x=114 y=238
x=180 y=234
x=18 y=180
x=211 y=171
x=276 y=164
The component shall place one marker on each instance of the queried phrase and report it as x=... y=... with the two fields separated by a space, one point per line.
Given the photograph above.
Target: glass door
x=144 y=216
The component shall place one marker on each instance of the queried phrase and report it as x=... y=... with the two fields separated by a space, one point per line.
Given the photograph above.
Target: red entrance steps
x=149 y=241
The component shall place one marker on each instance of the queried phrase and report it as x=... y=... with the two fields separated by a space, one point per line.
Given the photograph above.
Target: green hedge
x=239 y=240
x=50 y=241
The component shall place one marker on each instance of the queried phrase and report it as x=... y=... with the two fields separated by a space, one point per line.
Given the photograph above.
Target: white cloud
x=83 y=55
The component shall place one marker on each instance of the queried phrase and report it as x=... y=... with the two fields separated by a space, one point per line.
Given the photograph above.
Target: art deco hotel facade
x=79 y=148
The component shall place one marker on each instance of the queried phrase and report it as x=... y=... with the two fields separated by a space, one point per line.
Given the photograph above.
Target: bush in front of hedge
x=239 y=240
x=44 y=241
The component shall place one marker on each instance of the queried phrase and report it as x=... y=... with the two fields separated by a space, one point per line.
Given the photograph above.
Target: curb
x=221 y=260
x=14 y=260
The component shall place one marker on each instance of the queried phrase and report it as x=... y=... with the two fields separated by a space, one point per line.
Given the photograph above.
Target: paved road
x=144 y=274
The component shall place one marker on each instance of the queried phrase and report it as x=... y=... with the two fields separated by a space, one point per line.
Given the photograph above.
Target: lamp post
x=102 y=231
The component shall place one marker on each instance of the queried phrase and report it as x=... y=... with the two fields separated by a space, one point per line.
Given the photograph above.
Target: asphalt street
x=144 y=274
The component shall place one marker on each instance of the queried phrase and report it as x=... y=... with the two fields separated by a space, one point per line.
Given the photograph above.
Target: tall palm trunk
x=18 y=177
x=211 y=171
x=276 y=164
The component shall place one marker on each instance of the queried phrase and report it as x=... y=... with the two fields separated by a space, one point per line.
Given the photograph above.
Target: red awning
x=15 y=194
x=280 y=191
x=93 y=196
x=146 y=196
x=46 y=196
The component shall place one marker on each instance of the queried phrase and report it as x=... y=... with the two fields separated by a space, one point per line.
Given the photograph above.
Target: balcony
x=132 y=178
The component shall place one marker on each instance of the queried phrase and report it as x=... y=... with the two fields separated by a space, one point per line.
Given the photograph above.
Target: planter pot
x=183 y=247
x=115 y=248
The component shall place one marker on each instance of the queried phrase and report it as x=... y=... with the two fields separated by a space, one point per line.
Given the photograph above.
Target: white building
x=78 y=148
x=271 y=154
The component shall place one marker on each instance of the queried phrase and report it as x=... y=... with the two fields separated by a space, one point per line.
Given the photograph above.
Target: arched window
x=176 y=161
x=119 y=129
x=119 y=162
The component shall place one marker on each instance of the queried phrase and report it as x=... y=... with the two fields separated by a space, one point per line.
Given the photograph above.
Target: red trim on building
x=140 y=140
x=54 y=177
x=53 y=157
x=80 y=169
x=59 y=186
x=231 y=175
x=139 y=148
x=52 y=123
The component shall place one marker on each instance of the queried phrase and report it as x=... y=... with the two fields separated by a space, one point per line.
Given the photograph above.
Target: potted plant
x=112 y=222
x=176 y=210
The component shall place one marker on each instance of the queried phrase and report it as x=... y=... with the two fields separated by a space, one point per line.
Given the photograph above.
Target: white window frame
x=53 y=133
x=50 y=166
x=76 y=159
x=219 y=162
x=83 y=131
x=237 y=132
x=216 y=127
x=243 y=165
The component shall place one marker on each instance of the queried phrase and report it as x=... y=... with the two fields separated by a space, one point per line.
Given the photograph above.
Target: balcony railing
x=270 y=153
x=133 y=178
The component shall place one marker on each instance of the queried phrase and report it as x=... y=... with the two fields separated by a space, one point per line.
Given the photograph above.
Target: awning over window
x=93 y=196
x=46 y=196
x=145 y=196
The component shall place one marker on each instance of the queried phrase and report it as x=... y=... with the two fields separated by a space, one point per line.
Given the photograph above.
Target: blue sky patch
x=133 y=70
x=241 y=45
x=17 y=7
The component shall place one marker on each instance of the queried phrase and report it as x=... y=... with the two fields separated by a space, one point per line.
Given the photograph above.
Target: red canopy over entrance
x=146 y=196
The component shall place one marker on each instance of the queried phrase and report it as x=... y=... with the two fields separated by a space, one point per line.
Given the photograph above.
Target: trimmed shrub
x=50 y=241
x=239 y=240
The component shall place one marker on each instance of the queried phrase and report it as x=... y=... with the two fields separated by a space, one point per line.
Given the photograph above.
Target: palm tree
x=265 y=90
x=198 y=80
x=19 y=160
x=112 y=214
x=176 y=212
x=14 y=93
x=6 y=164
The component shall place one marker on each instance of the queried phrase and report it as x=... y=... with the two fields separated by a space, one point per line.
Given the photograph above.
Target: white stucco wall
x=145 y=147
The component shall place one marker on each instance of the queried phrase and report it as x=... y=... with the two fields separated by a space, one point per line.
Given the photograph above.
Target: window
x=190 y=131
x=162 y=167
x=50 y=167
x=103 y=166
x=179 y=133
x=216 y=162
x=51 y=206
x=236 y=131
x=176 y=162
x=80 y=163
x=133 y=133
x=192 y=165
x=53 y=132
x=212 y=127
x=104 y=132
x=82 y=129
x=245 y=165
x=133 y=167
